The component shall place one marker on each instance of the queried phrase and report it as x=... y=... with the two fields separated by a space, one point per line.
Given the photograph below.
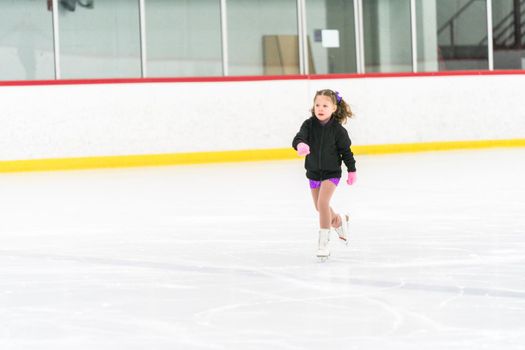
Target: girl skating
x=326 y=144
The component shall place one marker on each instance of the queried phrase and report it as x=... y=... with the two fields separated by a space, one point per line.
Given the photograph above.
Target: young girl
x=325 y=143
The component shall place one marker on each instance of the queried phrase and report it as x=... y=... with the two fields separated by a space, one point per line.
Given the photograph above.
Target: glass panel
x=453 y=35
x=427 y=38
x=99 y=39
x=183 y=38
x=331 y=36
x=262 y=37
x=387 y=40
x=26 y=40
x=508 y=17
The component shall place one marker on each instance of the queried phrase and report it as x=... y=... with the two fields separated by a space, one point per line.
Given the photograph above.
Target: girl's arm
x=302 y=135
x=343 y=143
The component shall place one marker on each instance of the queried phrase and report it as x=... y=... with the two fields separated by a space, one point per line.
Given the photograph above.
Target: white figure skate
x=324 y=237
x=343 y=230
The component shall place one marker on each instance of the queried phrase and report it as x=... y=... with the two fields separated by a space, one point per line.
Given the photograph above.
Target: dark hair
x=343 y=111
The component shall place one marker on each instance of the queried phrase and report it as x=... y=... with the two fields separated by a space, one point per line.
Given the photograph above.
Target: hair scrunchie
x=337 y=96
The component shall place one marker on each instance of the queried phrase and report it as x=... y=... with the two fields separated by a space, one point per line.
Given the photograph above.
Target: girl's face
x=323 y=107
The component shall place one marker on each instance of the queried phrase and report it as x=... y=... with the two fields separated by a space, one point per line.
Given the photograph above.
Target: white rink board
x=151 y=118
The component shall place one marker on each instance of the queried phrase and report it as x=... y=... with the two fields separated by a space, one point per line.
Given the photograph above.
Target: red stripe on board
x=255 y=78
x=416 y=75
x=149 y=80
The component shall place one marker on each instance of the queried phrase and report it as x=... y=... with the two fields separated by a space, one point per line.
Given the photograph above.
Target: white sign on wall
x=330 y=37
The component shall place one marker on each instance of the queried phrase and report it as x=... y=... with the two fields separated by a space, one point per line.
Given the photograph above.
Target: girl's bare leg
x=335 y=219
x=322 y=197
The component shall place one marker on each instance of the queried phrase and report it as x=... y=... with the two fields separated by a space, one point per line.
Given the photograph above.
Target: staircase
x=508 y=34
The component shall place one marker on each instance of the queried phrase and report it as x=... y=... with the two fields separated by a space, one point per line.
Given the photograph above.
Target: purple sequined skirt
x=316 y=184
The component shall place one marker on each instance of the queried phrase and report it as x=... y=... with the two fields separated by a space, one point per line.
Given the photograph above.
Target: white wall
x=123 y=119
x=183 y=38
x=26 y=40
x=316 y=18
x=248 y=22
x=427 y=36
x=395 y=50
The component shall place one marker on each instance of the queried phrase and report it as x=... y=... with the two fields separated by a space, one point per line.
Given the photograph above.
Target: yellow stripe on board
x=435 y=146
x=231 y=156
x=144 y=160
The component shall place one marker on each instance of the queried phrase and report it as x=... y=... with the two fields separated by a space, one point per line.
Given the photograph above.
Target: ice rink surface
x=222 y=256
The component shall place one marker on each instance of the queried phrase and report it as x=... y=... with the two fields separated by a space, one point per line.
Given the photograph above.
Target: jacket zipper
x=321 y=153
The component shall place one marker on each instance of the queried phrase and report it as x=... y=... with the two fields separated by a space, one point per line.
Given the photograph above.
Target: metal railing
x=450 y=22
x=510 y=30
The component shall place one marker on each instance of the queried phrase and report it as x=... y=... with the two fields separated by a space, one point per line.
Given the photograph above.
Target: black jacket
x=329 y=147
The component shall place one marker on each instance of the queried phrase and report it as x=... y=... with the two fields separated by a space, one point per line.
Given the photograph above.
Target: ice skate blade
x=323 y=256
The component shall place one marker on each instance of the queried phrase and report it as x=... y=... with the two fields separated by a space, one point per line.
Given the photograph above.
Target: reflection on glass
x=26 y=41
x=262 y=37
x=387 y=39
x=183 y=38
x=508 y=18
x=101 y=40
x=331 y=36
x=452 y=35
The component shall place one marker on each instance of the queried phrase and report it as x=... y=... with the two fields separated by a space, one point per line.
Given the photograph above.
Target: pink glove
x=352 y=177
x=303 y=149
